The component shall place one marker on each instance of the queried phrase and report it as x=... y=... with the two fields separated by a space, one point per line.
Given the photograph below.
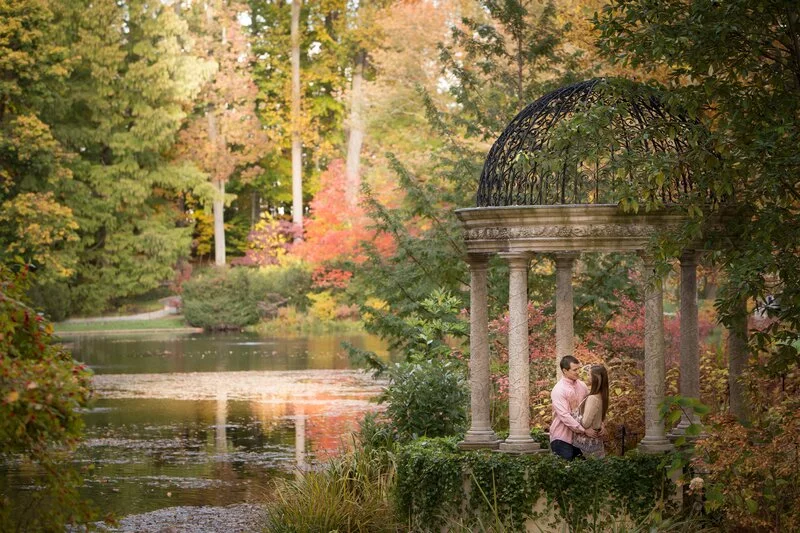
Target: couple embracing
x=578 y=412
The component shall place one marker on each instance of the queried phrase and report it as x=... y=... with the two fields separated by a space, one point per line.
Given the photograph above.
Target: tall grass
x=351 y=494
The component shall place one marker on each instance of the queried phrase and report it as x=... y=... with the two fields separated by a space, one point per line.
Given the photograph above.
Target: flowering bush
x=623 y=335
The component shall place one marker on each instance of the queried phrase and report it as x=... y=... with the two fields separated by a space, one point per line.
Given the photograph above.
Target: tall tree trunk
x=255 y=209
x=297 y=145
x=219 y=223
x=356 y=138
x=218 y=204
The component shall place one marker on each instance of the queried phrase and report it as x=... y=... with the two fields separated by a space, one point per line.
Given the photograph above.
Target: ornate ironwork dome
x=599 y=141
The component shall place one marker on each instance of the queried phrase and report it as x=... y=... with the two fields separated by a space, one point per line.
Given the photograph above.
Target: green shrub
x=238 y=297
x=426 y=398
x=435 y=482
x=287 y=284
x=53 y=299
x=222 y=299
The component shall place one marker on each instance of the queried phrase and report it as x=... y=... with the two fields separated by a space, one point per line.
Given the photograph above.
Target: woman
x=593 y=411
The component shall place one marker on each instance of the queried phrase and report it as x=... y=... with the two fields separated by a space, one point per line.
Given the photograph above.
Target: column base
x=466 y=445
x=655 y=445
x=479 y=440
x=521 y=447
x=680 y=430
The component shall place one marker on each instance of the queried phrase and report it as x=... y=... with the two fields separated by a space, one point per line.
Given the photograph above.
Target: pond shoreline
x=239 y=518
x=74 y=333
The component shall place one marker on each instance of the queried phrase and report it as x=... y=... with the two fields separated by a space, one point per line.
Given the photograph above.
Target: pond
x=211 y=419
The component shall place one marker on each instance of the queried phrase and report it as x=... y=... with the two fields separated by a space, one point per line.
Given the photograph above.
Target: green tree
x=502 y=59
x=36 y=224
x=322 y=81
x=496 y=62
x=735 y=66
x=132 y=79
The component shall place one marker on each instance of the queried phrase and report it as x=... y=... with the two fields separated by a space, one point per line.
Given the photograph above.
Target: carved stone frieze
x=563 y=231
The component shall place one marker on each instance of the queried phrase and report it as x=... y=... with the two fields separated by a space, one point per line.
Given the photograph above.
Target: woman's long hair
x=600 y=385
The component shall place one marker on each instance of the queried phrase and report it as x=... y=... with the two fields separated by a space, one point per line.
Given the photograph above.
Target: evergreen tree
x=132 y=80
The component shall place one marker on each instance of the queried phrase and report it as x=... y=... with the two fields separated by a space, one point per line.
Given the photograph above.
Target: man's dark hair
x=566 y=361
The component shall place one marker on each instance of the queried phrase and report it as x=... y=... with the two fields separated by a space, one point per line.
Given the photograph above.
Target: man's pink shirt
x=566 y=396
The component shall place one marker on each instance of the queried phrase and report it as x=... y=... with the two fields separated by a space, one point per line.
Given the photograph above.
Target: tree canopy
x=747 y=95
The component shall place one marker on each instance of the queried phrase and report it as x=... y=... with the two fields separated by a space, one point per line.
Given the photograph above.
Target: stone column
x=690 y=339
x=654 y=440
x=519 y=437
x=737 y=362
x=565 y=331
x=480 y=434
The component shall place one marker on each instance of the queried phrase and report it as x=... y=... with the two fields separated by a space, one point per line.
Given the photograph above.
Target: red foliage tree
x=334 y=232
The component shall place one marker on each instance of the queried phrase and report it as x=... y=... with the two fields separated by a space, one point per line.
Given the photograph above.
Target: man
x=568 y=393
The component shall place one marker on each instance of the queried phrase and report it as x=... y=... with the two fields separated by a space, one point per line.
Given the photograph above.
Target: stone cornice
x=583 y=228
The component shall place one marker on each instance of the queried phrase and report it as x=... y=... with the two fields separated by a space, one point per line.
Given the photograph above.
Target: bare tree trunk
x=356 y=138
x=297 y=144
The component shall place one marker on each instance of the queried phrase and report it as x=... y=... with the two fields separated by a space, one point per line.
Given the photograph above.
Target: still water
x=212 y=419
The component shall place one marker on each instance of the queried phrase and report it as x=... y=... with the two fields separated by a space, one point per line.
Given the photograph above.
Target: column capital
x=517 y=259
x=477 y=261
x=689 y=258
x=566 y=259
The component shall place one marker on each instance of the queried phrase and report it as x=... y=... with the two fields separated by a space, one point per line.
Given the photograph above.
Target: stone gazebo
x=526 y=206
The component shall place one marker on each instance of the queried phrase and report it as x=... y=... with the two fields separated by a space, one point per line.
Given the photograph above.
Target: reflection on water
x=210 y=420
x=201 y=352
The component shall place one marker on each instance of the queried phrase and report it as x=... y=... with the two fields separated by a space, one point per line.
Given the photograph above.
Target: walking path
x=170 y=309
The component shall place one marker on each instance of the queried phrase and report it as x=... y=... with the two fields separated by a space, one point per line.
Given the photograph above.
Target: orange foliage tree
x=334 y=232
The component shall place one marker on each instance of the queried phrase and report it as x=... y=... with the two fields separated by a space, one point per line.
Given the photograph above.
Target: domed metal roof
x=589 y=143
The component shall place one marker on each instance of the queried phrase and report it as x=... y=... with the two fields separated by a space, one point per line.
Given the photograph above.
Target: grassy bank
x=305 y=324
x=277 y=327
x=120 y=325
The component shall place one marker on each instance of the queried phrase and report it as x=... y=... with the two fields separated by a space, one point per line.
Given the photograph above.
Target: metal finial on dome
x=587 y=143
